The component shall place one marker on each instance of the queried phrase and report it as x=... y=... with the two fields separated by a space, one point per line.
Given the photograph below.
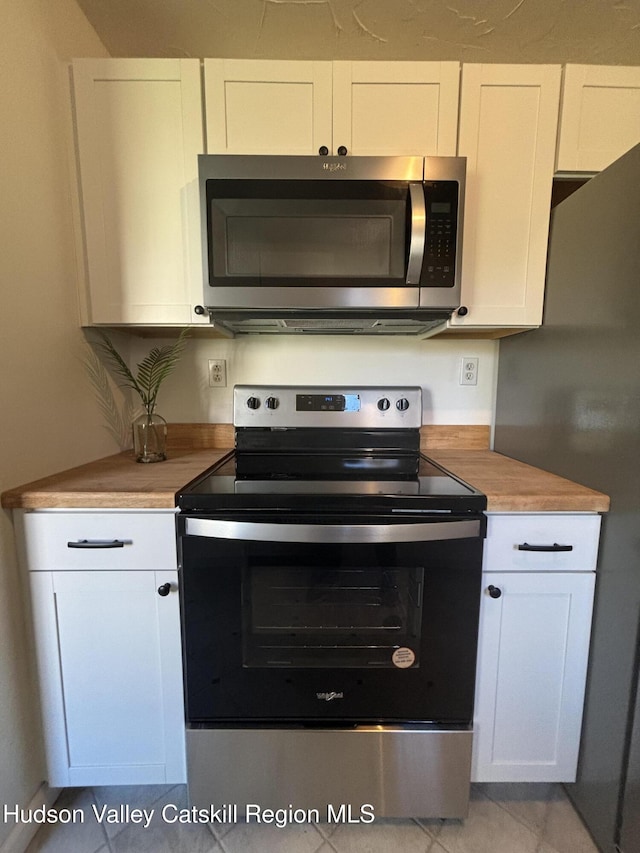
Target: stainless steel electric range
x=330 y=578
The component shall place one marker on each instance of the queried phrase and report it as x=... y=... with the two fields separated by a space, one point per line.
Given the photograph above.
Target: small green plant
x=151 y=371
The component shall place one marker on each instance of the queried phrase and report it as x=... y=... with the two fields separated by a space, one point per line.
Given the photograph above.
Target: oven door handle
x=331 y=533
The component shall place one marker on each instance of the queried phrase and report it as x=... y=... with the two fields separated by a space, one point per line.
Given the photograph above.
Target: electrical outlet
x=469 y=371
x=218 y=372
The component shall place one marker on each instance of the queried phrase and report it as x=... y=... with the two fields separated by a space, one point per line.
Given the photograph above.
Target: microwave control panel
x=439 y=265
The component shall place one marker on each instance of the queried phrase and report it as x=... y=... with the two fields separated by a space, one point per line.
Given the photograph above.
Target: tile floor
x=502 y=818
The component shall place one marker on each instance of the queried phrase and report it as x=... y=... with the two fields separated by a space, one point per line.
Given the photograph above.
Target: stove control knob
x=253 y=403
x=272 y=402
x=402 y=405
x=383 y=404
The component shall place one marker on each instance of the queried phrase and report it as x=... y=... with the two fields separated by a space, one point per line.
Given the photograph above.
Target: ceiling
x=554 y=31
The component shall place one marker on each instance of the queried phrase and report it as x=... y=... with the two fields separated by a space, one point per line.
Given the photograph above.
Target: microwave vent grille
x=233 y=323
x=322 y=325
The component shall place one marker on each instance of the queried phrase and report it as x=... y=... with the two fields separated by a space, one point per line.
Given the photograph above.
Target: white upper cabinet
x=140 y=127
x=396 y=108
x=267 y=106
x=367 y=108
x=508 y=127
x=139 y=130
x=600 y=118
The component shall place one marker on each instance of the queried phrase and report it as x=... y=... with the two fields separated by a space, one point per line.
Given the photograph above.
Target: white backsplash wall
x=329 y=360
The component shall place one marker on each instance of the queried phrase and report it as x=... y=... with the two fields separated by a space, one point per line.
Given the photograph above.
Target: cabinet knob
x=342 y=150
x=494 y=591
x=462 y=311
x=164 y=589
x=199 y=310
x=323 y=150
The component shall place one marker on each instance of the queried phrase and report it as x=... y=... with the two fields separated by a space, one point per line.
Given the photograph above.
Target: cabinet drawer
x=68 y=541
x=542 y=542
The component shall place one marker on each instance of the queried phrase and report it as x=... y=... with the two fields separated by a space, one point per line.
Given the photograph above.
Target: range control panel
x=368 y=407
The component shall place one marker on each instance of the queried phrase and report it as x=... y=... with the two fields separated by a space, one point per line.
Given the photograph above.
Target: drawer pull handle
x=494 y=591
x=555 y=547
x=164 y=589
x=99 y=543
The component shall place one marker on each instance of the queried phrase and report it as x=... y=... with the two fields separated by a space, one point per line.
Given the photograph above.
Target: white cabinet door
x=600 y=118
x=532 y=661
x=139 y=130
x=396 y=108
x=110 y=672
x=267 y=106
x=508 y=126
x=294 y=107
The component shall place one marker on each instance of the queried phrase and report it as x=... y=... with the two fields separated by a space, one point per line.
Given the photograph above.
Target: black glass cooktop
x=338 y=481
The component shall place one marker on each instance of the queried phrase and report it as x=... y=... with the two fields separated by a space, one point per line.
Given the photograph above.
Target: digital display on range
x=327 y=402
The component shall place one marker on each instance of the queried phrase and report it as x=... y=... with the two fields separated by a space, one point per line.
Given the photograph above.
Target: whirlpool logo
x=329 y=697
x=334 y=167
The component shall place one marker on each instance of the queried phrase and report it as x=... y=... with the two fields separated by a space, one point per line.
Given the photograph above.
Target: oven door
x=311 y=621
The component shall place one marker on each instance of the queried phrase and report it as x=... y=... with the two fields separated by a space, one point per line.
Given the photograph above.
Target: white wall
x=48 y=419
x=432 y=364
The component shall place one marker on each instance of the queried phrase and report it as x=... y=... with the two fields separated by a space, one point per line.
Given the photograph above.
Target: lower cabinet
x=535 y=623
x=108 y=651
x=104 y=596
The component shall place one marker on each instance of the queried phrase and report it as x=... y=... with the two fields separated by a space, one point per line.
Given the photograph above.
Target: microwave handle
x=418 y=232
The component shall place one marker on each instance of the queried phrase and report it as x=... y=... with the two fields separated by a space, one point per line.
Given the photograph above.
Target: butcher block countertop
x=119 y=482
x=115 y=482
x=512 y=486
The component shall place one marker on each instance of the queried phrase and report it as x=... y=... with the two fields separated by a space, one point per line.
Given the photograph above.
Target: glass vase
x=150 y=438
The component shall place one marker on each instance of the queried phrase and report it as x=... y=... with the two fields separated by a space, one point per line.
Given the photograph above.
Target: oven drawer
x=387 y=771
x=100 y=540
x=554 y=542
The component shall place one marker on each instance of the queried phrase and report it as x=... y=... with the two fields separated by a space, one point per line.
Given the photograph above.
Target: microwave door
x=418 y=233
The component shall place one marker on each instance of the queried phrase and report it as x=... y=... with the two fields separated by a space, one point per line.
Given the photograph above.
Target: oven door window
x=307 y=616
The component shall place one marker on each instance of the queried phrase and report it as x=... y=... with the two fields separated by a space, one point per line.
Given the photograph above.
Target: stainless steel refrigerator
x=568 y=401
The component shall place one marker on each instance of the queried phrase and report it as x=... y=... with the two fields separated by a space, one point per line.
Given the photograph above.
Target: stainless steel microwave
x=331 y=244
